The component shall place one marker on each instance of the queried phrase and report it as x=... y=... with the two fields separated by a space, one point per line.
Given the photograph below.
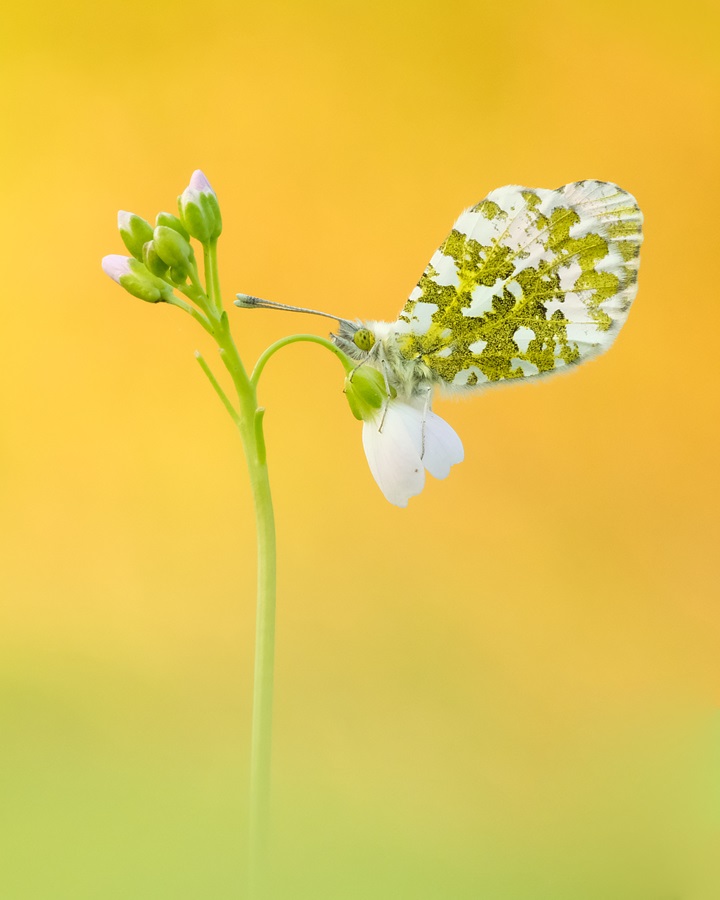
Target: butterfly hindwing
x=527 y=282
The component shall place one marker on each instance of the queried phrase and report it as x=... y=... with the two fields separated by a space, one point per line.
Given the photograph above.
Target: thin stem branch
x=293 y=339
x=191 y=311
x=216 y=386
x=196 y=295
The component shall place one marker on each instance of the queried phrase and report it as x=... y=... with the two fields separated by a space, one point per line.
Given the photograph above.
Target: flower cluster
x=162 y=257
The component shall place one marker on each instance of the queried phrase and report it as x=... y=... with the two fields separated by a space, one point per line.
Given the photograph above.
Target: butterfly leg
x=426 y=410
x=362 y=363
x=383 y=367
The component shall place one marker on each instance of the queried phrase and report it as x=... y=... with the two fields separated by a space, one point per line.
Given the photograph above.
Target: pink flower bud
x=116 y=266
x=199 y=183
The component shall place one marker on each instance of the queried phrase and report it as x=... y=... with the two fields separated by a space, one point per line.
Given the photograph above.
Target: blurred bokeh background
x=505 y=691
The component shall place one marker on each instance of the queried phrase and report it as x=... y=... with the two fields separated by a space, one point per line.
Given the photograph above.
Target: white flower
x=401 y=442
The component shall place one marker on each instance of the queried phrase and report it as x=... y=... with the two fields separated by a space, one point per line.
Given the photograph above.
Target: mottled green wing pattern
x=528 y=281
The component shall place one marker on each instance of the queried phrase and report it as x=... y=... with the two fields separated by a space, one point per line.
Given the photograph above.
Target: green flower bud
x=136 y=279
x=177 y=276
x=152 y=261
x=171 y=221
x=134 y=231
x=173 y=248
x=365 y=391
x=199 y=209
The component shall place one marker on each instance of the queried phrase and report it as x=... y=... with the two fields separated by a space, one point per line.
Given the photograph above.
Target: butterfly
x=528 y=283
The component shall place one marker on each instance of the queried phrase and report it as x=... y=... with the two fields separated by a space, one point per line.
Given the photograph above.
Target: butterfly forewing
x=527 y=282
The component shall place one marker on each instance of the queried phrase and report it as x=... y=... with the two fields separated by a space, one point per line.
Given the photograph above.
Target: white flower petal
x=443 y=448
x=116 y=266
x=393 y=454
x=199 y=183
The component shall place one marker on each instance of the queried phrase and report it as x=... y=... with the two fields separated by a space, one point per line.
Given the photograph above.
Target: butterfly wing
x=529 y=281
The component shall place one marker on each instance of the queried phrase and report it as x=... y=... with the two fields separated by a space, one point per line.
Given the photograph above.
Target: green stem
x=293 y=339
x=261 y=741
x=195 y=295
x=212 y=278
x=191 y=311
x=249 y=423
x=195 y=277
x=216 y=387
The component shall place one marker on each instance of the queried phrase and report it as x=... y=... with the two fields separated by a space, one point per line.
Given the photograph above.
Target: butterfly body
x=527 y=283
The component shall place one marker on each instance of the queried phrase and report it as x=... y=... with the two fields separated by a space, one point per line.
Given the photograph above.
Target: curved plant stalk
x=161 y=266
x=248 y=418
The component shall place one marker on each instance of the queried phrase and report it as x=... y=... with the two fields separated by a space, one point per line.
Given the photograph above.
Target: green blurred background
x=503 y=692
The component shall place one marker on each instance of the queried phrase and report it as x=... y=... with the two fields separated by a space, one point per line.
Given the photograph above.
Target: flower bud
x=365 y=391
x=136 y=279
x=171 y=221
x=173 y=248
x=152 y=261
x=199 y=209
x=134 y=231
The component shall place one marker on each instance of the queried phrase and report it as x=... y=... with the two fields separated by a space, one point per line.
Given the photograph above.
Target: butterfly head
x=355 y=339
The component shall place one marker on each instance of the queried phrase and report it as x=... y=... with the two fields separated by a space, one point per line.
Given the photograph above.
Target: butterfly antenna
x=247 y=301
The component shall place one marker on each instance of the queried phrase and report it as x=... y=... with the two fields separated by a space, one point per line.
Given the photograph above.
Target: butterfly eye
x=364 y=339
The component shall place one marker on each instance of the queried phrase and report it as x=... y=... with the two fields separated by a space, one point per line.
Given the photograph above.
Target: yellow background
x=503 y=692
